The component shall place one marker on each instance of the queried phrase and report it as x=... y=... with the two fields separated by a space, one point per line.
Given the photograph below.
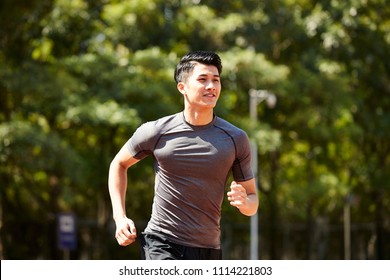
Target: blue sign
x=66 y=228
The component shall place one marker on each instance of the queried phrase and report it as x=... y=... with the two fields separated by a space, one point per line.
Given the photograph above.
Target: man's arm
x=117 y=184
x=243 y=195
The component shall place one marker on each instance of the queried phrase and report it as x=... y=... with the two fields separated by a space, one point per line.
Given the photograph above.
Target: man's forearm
x=117 y=184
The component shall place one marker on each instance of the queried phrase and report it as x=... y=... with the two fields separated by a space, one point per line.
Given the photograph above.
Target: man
x=194 y=153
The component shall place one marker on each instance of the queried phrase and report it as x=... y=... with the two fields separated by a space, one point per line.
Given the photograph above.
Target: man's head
x=198 y=79
x=187 y=63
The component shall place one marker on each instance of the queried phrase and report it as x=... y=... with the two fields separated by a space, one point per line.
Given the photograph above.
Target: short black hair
x=186 y=64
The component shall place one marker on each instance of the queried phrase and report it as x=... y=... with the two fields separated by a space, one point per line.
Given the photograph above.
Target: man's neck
x=198 y=117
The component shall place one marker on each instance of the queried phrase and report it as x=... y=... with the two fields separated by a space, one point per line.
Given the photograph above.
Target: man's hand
x=125 y=233
x=243 y=195
x=237 y=195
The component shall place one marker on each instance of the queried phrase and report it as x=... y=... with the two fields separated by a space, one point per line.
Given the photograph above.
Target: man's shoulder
x=228 y=127
x=164 y=123
x=150 y=131
x=169 y=119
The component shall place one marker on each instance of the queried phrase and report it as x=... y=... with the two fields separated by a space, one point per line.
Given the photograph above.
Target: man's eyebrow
x=205 y=75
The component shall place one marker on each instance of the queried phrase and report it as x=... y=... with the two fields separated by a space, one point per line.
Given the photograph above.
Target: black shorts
x=157 y=247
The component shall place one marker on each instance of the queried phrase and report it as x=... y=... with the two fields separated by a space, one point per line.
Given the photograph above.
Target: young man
x=194 y=153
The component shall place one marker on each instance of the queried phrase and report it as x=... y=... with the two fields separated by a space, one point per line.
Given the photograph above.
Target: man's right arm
x=117 y=185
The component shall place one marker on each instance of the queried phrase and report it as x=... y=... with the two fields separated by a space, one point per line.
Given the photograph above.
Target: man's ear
x=181 y=87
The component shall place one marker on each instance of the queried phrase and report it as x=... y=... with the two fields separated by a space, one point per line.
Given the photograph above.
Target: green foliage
x=78 y=77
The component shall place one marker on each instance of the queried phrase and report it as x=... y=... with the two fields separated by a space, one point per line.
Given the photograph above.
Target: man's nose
x=211 y=85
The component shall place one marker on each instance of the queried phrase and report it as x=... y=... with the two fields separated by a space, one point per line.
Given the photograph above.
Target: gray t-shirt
x=192 y=165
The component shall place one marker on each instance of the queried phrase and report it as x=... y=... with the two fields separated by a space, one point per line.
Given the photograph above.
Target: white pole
x=347 y=228
x=254 y=219
x=254 y=229
x=256 y=97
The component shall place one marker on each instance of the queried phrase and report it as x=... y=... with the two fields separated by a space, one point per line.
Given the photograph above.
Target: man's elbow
x=117 y=166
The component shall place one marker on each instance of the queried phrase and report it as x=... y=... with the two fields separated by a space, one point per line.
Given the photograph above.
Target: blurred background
x=309 y=81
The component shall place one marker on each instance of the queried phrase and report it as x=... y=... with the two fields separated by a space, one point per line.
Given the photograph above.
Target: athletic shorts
x=157 y=247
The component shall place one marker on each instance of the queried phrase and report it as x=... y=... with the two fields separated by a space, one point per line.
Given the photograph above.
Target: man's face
x=202 y=87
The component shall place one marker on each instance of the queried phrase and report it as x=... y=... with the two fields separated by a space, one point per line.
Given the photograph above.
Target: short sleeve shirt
x=192 y=165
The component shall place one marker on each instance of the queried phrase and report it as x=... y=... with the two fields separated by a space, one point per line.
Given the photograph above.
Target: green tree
x=77 y=77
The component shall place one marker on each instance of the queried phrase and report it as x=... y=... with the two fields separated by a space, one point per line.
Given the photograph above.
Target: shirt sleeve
x=242 y=169
x=142 y=142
